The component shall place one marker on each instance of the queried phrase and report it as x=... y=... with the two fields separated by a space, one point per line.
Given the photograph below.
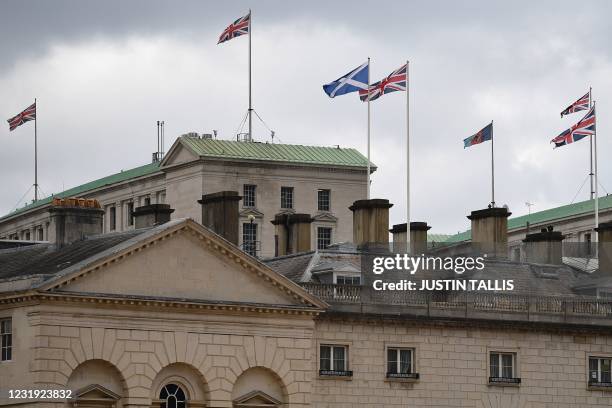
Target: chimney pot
x=73 y=219
x=418 y=237
x=544 y=247
x=371 y=222
x=292 y=233
x=490 y=231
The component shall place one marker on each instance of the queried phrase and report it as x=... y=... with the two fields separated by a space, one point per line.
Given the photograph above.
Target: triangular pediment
x=185 y=261
x=325 y=217
x=251 y=211
x=95 y=392
x=256 y=399
x=178 y=154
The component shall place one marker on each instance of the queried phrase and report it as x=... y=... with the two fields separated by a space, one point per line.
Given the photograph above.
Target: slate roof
x=78 y=191
x=45 y=261
x=315 y=155
x=292 y=266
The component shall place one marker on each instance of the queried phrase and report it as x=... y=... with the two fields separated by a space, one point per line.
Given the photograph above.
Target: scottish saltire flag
x=483 y=135
x=27 y=115
x=354 y=81
x=236 y=29
x=580 y=105
x=582 y=129
x=394 y=82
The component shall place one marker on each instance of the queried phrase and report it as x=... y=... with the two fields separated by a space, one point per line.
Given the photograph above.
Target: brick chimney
x=73 y=219
x=292 y=233
x=544 y=247
x=604 y=248
x=152 y=214
x=371 y=222
x=418 y=237
x=220 y=213
x=490 y=231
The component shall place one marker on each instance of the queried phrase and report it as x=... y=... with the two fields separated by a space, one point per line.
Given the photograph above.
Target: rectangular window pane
x=606 y=373
x=593 y=369
x=494 y=365
x=248 y=195
x=286 y=197
x=249 y=238
x=323 y=237
x=405 y=361
x=507 y=360
x=130 y=217
x=112 y=218
x=6 y=340
x=339 y=359
x=325 y=358
x=392 y=361
x=323 y=200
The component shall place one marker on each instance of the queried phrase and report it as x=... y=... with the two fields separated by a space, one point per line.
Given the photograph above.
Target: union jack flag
x=237 y=28
x=394 y=82
x=582 y=129
x=27 y=115
x=580 y=105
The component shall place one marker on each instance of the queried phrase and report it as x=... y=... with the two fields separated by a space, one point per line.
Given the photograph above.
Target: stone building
x=272 y=179
x=177 y=315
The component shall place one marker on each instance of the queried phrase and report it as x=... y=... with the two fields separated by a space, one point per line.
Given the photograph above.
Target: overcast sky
x=105 y=71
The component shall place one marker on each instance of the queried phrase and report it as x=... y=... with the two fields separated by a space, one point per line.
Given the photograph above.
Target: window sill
x=504 y=382
x=403 y=378
x=600 y=387
x=335 y=375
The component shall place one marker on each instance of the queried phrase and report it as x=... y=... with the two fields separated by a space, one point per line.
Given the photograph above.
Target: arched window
x=172 y=396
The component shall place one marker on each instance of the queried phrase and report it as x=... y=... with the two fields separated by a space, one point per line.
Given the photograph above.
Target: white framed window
x=248 y=195
x=324 y=200
x=287 y=197
x=333 y=360
x=249 y=238
x=600 y=371
x=503 y=368
x=348 y=280
x=324 y=237
x=6 y=339
x=400 y=363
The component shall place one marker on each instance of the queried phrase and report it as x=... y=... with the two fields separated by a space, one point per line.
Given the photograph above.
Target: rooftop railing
x=478 y=305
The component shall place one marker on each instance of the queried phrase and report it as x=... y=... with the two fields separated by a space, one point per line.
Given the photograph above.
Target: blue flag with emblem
x=354 y=81
x=483 y=135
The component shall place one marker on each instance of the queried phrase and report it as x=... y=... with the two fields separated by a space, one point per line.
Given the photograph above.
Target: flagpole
x=591 y=149
x=492 y=170
x=35 y=152
x=407 y=158
x=368 y=179
x=250 y=97
x=596 y=179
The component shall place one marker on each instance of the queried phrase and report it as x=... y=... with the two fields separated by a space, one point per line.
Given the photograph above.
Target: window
x=323 y=200
x=147 y=200
x=600 y=371
x=400 y=363
x=249 y=238
x=348 y=280
x=130 y=210
x=172 y=396
x=503 y=368
x=6 y=340
x=587 y=243
x=112 y=215
x=27 y=235
x=248 y=195
x=333 y=361
x=40 y=234
x=286 y=197
x=323 y=237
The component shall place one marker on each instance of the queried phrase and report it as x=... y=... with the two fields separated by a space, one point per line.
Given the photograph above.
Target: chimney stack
x=72 y=219
x=292 y=233
x=544 y=247
x=371 y=222
x=152 y=214
x=490 y=231
x=418 y=237
x=220 y=213
x=604 y=248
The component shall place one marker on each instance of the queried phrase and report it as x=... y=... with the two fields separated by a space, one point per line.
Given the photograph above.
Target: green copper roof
x=92 y=185
x=552 y=214
x=317 y=155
